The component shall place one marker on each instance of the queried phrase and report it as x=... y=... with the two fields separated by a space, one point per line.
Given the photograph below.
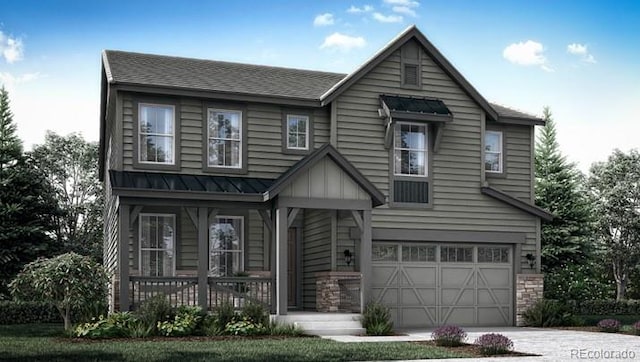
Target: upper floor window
x=226 y=246
x=297 y=132
x=224 y=136
x=410 y=149
x=157 y=244
x=493 y=152
x=157 y=133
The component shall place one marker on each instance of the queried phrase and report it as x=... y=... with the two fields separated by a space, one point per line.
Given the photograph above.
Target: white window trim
x=141 y=249
x=306 y=131
x=209 y=138
x=242 y=237
x=425 y=150
x=173 y=135
x=500 y=153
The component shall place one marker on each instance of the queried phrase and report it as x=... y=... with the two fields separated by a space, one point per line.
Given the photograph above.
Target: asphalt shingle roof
x=218 y=76
x=511 y=113
x=209 y=75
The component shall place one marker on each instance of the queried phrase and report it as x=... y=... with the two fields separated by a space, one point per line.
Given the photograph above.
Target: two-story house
x=315 y=191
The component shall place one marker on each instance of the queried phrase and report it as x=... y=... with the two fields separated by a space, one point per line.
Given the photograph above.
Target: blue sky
x=581 y=58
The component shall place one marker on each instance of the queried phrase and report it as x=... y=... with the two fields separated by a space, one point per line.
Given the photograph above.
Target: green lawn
x=42 y=342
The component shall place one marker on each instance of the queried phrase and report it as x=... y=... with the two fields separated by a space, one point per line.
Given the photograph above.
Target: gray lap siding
x=264 y=136
x=457 y=166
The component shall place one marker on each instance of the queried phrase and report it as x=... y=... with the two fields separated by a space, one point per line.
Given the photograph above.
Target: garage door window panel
x=385 y=253
x=493 y=255
x=453 y=254
x=418 y=253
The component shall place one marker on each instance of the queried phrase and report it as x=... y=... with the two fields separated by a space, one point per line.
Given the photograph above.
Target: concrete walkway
x=550 y=344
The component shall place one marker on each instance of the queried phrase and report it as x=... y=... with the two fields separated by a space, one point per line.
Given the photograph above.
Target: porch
x=284 y=243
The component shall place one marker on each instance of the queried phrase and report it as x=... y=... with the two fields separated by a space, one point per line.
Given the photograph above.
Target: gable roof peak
x=398 y=41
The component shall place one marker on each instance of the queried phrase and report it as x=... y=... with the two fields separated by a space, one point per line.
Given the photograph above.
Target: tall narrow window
x=157 y=134
x=157 y=244
x=493 y=153
x=297 y=132
x=410 y=149
x=224 y=134
x=226 y=246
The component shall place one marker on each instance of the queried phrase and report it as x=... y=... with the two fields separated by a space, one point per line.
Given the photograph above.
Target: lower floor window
x=157 y=244
x=226 y=246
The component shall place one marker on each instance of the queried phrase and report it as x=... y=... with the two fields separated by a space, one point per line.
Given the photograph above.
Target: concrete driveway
x=550 y=344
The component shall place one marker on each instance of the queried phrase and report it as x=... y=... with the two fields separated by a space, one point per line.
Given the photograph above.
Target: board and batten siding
x=316 y=252
x=325 y=180
x=456 y=171
x=264 y=137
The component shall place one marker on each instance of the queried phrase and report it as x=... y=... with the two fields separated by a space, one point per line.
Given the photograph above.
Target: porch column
x=281 y=260
x=365 y=258
x=203 y=258
x=123 y=256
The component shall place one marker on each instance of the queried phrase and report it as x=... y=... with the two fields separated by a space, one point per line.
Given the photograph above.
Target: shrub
x=69 y=281
x=547 y=313
x=244 y=327
x=154 y=310
x=493 y=343
x=277 y=329
x=577 y=282
x=210 y=326
x=115 y=325
x=139 y=329
x=376 y=319
x=635 y=328
x=16 y=312
x=225 y=314
x=256 y=313
x=183 y=324
x=605 y=307
x=609 y=325
x=449 y=336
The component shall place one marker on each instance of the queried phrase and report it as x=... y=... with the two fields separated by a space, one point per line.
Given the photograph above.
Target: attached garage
x=430 y=284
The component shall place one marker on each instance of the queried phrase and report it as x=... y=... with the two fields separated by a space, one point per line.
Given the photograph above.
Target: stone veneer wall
x=529 y=289
x=329 y=297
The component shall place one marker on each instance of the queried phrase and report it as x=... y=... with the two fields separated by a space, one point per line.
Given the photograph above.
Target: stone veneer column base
x=328 y=298
x=529 y=289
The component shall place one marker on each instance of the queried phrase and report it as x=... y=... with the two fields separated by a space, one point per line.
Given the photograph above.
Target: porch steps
x=325 y=324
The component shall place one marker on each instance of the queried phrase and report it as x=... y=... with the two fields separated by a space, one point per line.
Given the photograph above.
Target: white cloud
x=408 y=3
x=323 y=20
x=582 y=51
x=10 y=81
x=387 y=18
x=356 y=10
x=343 y=42
x=527 y=53
x=577 y=49
x=404 y=10
x=11 y=49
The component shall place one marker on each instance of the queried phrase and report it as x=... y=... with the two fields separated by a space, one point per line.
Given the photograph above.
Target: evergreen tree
x=27 y=204
x=559 y=189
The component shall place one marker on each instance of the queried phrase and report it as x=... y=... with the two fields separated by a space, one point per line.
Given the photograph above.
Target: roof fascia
x=241 y=97
x=519 y=204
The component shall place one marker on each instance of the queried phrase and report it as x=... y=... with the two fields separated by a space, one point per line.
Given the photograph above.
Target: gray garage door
x=435 y=284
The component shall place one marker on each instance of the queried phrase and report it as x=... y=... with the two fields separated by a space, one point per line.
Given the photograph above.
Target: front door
x=292 y=268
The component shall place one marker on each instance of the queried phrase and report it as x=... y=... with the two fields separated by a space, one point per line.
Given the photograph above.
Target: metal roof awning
x=153 y=184
x=415 y=107
x=410 y=108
